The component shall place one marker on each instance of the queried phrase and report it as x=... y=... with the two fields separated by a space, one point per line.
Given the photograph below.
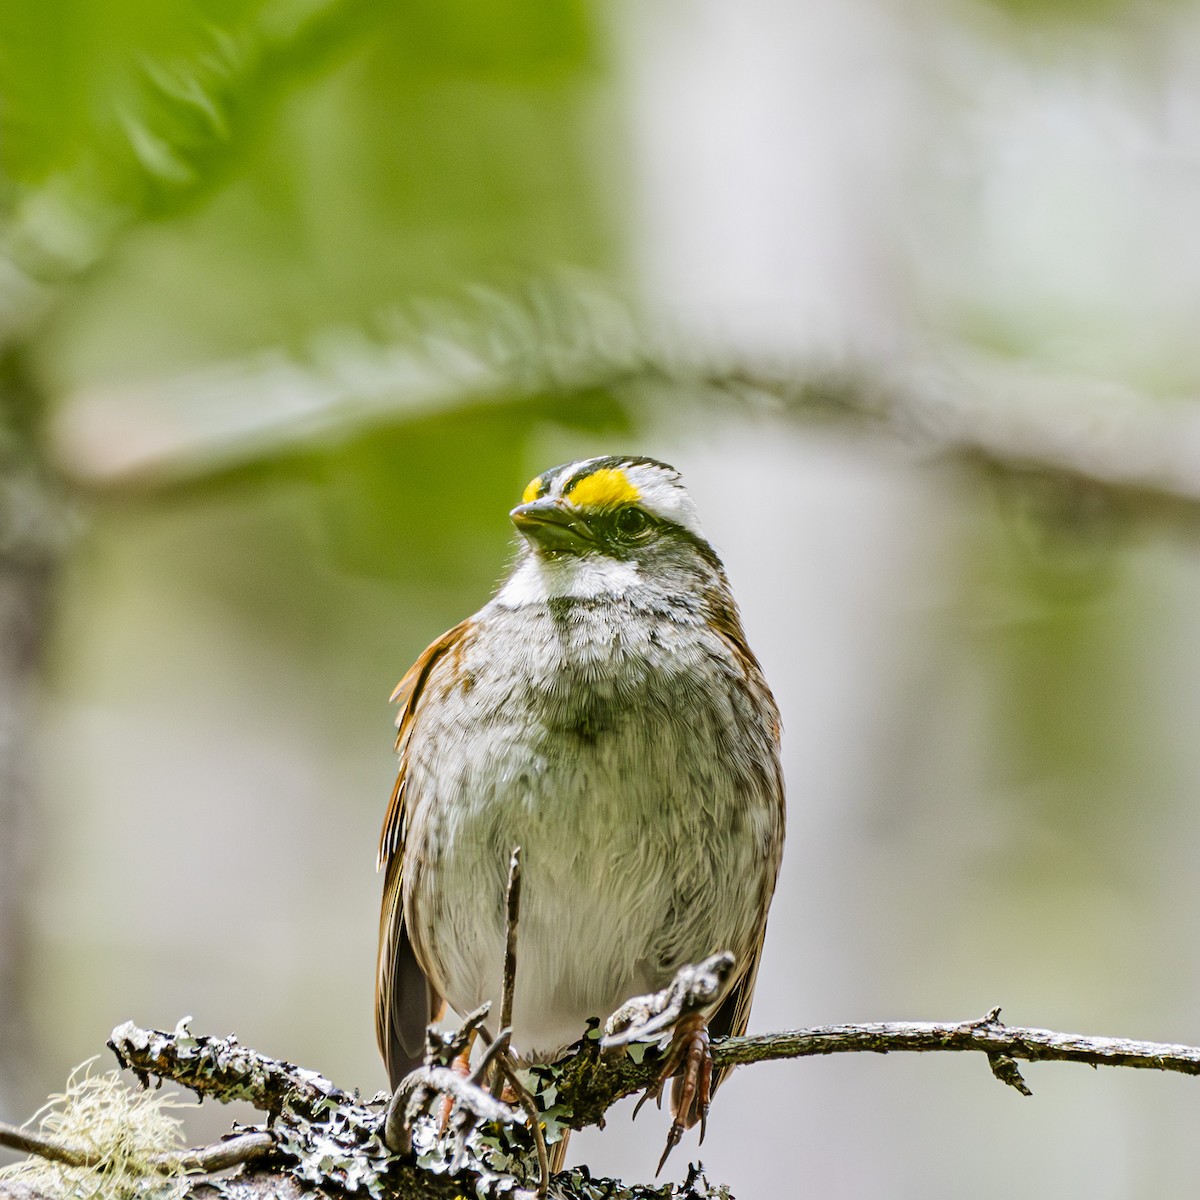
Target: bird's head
x=602 y=523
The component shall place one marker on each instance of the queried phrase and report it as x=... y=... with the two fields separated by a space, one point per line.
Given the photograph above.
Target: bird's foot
x=688 y=1055
x=462 y=1102
x=680 y=1008
x=646 y=1018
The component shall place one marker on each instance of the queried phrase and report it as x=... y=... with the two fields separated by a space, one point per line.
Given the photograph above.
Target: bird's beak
x=553 y=525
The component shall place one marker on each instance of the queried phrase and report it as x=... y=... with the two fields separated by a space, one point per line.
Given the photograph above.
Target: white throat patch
x=577 y=577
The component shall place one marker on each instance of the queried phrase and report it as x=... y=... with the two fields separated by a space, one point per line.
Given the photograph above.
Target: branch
x=325 y=1137
x=30 y=1142
x=556 y=342
x=225 y=1070
x=512 y=907
x=219 y=1156
x=588 y=1082
x=505 y=1065
x=988 y=1036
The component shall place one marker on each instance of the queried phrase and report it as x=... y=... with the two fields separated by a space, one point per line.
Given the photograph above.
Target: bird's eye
x=631 y=522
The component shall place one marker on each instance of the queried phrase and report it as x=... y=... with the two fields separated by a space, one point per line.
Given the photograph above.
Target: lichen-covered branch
x=324 y=1137
x=225 y=1070
x=987 y=1036
x=591 y=1081
x=585 y=1084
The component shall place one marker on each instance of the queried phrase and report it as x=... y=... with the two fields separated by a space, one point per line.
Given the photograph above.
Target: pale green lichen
x=126 y=1132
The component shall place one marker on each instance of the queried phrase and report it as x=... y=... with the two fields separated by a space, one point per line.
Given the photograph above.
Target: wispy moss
x=122 y=1133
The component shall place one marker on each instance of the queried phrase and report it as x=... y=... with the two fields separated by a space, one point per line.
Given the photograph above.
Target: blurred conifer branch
x=566 y=337
x=167 y=149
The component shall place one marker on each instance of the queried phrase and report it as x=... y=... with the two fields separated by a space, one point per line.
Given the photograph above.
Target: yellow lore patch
x=530 y=494
x=602 y=488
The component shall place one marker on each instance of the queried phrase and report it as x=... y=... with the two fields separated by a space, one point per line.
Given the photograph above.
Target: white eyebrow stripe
x=663 y=496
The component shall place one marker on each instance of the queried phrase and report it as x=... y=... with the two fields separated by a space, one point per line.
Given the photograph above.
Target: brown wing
x=405 y=1001
x=733 y=1013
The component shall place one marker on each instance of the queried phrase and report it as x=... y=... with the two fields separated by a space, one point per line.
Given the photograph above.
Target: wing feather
x=733 y=1013
x=405 y=1000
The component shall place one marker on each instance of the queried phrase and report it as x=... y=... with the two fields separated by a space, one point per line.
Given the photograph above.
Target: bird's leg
x=689 y=1055
x=461 y=1066
x=439 y=1076
x=691 y=1092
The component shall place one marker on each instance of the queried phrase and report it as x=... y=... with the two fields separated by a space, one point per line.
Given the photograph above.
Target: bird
x=604 y=713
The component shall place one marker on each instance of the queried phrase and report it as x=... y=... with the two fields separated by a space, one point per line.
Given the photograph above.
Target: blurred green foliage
x=350 y=152
x=1040 y=11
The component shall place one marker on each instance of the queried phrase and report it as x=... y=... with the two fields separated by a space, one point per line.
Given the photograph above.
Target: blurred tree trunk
x=30 y=547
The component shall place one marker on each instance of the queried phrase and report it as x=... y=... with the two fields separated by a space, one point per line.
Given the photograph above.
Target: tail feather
x=407 y=1005
x=558 y=1153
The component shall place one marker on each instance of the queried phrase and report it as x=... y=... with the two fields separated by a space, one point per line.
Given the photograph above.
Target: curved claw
x=676 y=1132
x=655 y=1090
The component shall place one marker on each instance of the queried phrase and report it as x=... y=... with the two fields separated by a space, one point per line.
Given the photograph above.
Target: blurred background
x=294 y=299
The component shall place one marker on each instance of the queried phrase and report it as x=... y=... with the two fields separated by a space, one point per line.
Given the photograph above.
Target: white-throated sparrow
x=604 y=713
